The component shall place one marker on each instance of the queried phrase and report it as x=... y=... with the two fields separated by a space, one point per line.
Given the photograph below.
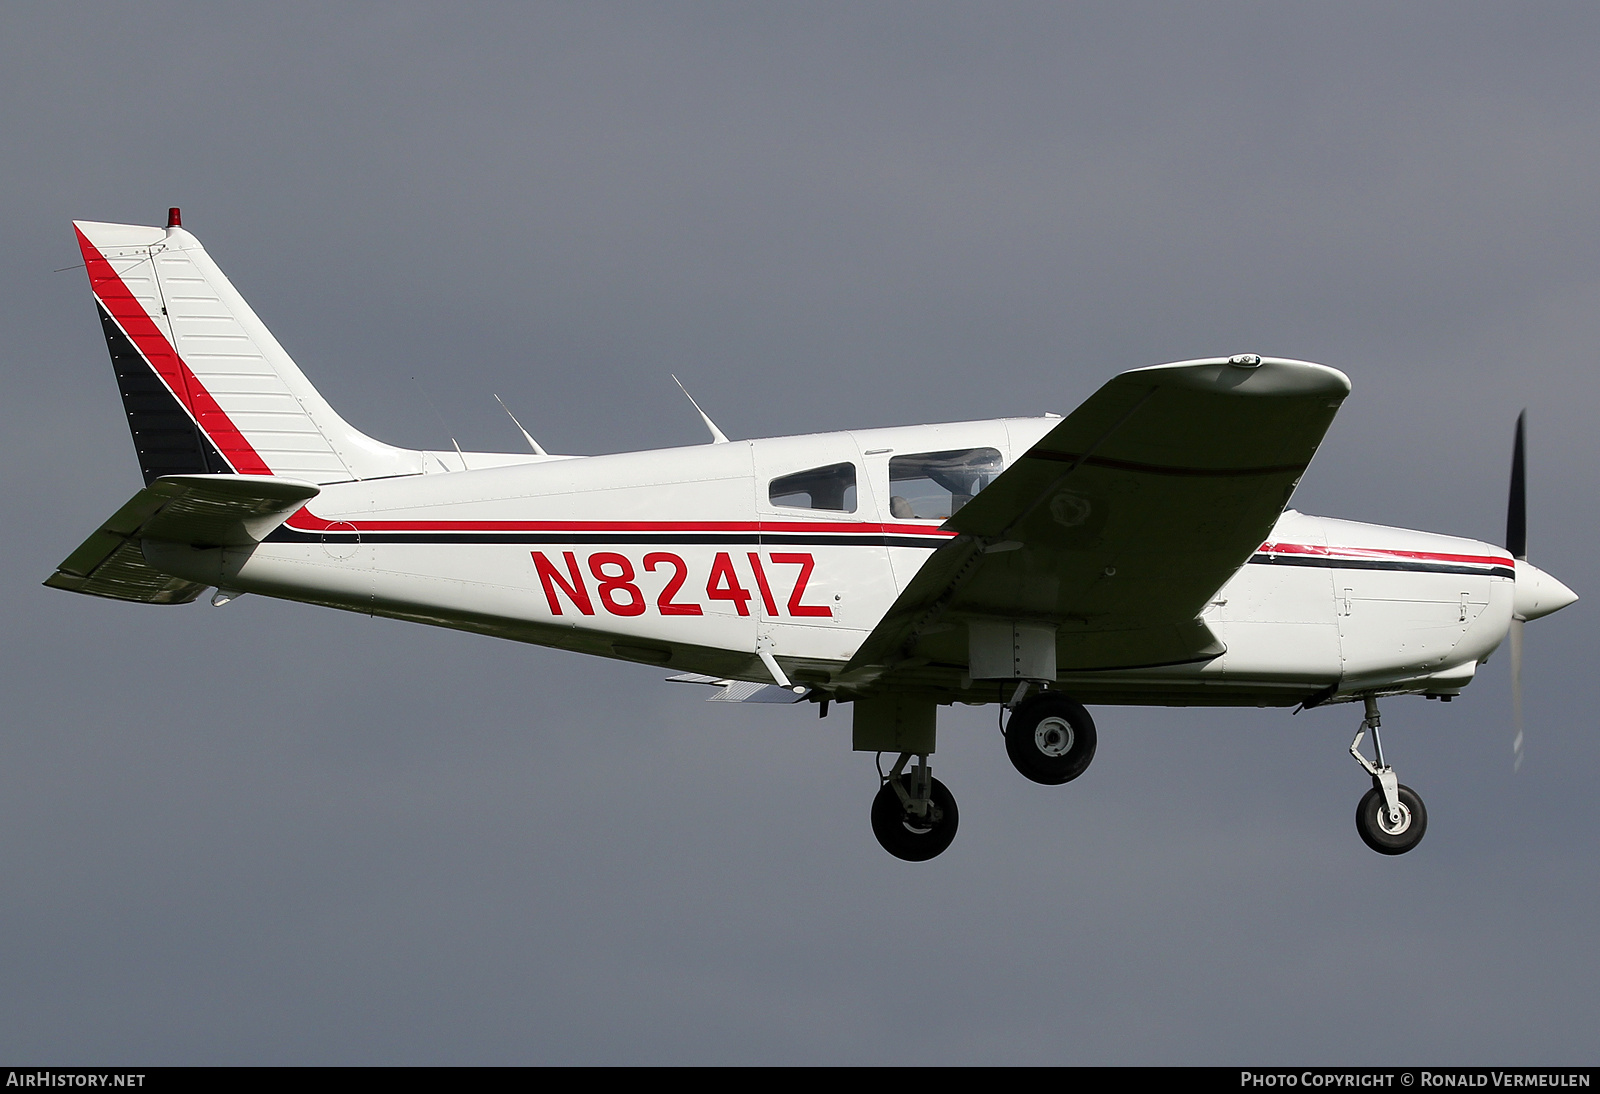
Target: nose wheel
x=914 y=815
x=1390 y=818
x=1386 y=835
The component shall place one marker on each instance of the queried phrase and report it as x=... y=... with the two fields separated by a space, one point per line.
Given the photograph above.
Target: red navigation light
x=174 y=218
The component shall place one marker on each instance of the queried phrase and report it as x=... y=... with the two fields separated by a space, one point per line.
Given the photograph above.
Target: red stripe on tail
x=113 y=294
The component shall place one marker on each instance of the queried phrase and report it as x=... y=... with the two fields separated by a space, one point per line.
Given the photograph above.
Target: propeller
x=1536 y=594
x=1517 y=544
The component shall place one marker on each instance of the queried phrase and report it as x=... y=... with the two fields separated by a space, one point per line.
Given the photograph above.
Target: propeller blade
x=1517 y=507
x=1516 y=693
x=1517 y=544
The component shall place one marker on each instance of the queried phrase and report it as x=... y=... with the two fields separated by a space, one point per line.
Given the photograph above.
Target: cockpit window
x=832 y=488
x=935 y=485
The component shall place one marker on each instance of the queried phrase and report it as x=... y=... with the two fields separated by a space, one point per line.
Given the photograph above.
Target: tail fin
x=206 y=387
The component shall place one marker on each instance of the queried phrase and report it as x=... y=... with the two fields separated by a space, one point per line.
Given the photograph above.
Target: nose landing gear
x=1390 y=818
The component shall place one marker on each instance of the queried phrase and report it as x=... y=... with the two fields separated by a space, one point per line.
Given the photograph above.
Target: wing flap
x=198 y=510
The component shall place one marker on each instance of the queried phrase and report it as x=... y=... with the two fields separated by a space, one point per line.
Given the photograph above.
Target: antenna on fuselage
x=533 y=444
x=717 y=435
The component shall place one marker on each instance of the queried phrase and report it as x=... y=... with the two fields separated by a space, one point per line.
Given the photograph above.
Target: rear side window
x=935 y=485
x=832 y=488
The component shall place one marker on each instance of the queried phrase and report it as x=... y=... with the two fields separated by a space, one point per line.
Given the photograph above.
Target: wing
x=1122 y=522
x=198 y=510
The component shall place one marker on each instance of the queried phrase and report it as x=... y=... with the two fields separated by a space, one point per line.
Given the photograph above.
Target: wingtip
x=1250 y=374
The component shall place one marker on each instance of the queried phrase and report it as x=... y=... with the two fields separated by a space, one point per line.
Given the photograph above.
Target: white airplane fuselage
x=1138 y=551
x=680 y=558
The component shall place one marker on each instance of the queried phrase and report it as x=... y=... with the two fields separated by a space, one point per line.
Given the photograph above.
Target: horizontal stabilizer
x=202 y=511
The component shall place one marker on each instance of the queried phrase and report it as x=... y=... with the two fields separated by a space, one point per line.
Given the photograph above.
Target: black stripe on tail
x=167 y=440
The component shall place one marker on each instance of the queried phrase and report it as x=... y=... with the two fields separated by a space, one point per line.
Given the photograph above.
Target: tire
x=1373 y=824
x=912 y=838
x=1050 y=738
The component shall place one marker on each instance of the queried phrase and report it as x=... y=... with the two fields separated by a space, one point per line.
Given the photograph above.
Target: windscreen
x=935 y=485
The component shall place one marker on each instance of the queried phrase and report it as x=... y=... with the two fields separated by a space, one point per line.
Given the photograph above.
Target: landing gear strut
x=1390 y=818
x=914 y=816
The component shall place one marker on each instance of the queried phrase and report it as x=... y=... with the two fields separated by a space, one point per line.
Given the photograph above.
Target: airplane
x=1139 y=551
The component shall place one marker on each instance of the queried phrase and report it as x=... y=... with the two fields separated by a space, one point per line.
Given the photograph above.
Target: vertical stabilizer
x=206 y=386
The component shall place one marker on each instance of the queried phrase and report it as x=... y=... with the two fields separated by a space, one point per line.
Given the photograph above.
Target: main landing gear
x=1391 y=818
x=1050 y=738
x=914 y=816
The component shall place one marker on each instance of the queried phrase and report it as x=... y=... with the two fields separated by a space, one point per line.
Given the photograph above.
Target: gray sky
x=278 y=834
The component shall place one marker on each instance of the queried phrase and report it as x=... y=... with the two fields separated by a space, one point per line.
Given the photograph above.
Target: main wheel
x=910 y=837
x=1050 y=739
x=1372 y=821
